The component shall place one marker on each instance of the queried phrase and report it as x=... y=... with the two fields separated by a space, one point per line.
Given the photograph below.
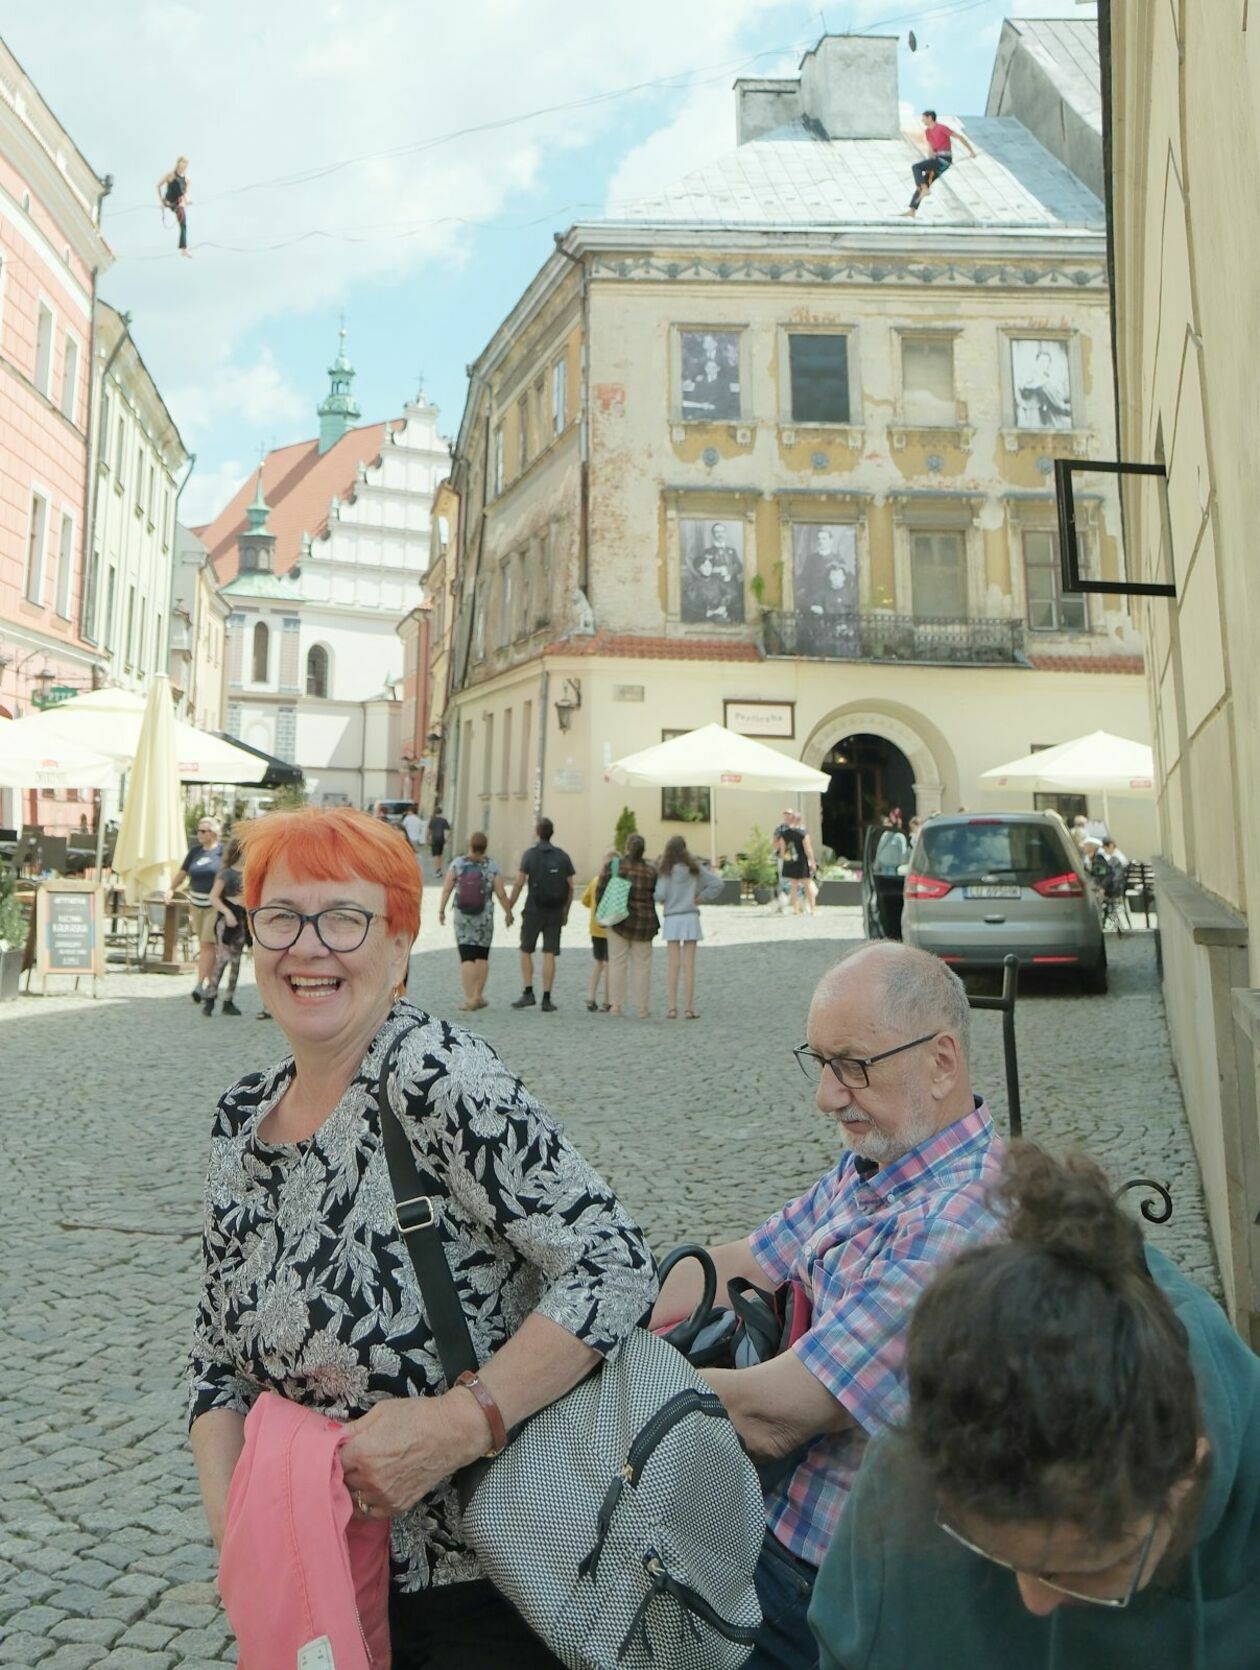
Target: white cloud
x=208 y=491
x=259 y=395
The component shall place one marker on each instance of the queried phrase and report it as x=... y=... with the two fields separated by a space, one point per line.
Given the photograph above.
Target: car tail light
x=1067 y=886
x=926 y=887
x=1056 y=959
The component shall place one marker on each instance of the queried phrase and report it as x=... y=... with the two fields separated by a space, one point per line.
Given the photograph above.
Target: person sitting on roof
x=940 y=143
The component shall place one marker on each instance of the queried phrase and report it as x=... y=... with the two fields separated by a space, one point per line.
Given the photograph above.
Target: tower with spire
x=338 y=410
x=256 y=544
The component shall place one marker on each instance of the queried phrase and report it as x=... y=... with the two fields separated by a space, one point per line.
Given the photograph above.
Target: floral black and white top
x=308 y=1289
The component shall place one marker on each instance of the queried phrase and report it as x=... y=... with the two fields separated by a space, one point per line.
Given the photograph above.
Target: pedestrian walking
x=439 y=828
x=476 y=881
x=630 y=940
x=682 y=882
x=307 y=1291
x=599 y=944
x=172 y=190
x=231 y=931
x=547 y=870
x=1076 y=1480
x=416 y=831
x=798 y=857
x=201 y=865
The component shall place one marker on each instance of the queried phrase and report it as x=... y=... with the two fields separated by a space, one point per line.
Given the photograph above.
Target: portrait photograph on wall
x=825 y=582
x=1042 y=379
x=711 y=554
x=710 y=376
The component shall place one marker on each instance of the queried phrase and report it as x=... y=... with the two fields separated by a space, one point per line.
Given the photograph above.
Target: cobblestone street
x=704 y=1128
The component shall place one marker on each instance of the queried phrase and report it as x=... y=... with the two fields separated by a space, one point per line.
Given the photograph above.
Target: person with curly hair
x=1077 y=1486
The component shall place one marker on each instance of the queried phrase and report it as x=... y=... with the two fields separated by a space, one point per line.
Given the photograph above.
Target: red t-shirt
x=939 y=137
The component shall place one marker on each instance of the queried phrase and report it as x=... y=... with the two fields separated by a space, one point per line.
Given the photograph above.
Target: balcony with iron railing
x=880 y=636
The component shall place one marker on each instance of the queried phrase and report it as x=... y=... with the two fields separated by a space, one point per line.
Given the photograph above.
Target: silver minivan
x=983 y=885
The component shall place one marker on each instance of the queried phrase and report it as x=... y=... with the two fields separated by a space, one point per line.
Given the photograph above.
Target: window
x=539 y=417
x=487 y=762
x=938 y=584
x=1041 y=383
x=139 y=481
x=498 y=460
x=70 y=377
x=129 y=642
x=527 y=733
x=44 y=350
x=262 y=652
x=927 y=380
x=159 y=646
x=503 y=626
x=559 y=396
x=683 y=805
x=505 y=769
x=542 y=600
x=1048 y=609
x=711 y=570
x=166 y=518
x=119 y=443
x=65 y=565
x=152 y=493
x=522 y=432
x=521 y=612
x=317 y=671
x=36 y=548
x=818 y=364
x=710 y=376
x=111 y=592
x=479 y=623
x=1068 y=806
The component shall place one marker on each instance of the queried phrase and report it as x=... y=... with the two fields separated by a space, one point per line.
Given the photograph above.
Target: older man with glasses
x=887 y=1049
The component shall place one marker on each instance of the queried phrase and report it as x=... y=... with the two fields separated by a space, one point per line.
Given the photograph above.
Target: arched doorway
x=869 y=775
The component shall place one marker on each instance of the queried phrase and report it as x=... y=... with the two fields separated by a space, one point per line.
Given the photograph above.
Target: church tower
x=256 y=544
x=338 y=410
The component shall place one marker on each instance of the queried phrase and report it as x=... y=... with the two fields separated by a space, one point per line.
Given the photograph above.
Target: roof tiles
x=633 y=647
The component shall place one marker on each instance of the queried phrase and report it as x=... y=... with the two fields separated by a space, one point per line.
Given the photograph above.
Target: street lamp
x=45 y=678
x=568 y=702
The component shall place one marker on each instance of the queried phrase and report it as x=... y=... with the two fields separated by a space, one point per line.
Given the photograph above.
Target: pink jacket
x=296 y=1565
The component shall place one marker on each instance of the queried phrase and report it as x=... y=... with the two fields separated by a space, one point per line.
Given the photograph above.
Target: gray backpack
x=624 y=1521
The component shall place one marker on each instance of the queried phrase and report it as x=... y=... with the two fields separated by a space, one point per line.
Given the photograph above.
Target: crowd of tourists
x=992 y=1426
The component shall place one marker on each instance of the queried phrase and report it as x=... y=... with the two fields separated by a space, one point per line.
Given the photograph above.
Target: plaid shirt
x=865 y=1248
x=642 y=922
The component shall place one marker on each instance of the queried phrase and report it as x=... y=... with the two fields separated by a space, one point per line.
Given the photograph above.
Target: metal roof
x=792 y=179
x=1067 y=50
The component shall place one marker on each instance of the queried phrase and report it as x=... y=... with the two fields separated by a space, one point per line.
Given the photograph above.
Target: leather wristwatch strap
x=489 y=1408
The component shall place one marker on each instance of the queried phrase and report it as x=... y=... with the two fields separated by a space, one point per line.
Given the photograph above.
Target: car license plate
x=990 y=892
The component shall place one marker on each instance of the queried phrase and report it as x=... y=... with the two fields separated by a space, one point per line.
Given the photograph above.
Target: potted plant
x=732 y=884
x=12 y=936
x=757 y=866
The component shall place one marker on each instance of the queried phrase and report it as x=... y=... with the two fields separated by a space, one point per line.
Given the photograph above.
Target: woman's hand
x=405 y=1446
x=442 y=917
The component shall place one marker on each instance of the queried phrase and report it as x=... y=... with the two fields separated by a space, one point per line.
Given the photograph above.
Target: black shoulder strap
x=417 y=1219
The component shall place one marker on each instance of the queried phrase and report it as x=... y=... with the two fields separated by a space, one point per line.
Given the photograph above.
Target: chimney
x=849 y=86
x=847 y=90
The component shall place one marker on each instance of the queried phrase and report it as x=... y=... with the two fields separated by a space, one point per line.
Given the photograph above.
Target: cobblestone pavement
x=704 y=1128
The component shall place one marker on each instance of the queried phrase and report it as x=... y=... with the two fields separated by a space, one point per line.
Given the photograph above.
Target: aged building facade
x=1183 y=86
x=762 y=452
x=198 y=648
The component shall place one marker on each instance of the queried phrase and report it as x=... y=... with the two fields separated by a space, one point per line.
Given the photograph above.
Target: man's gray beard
x=885 y=1149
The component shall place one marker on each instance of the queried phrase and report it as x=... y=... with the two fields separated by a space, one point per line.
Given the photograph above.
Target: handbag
x=614 y=907
x=624 y=1521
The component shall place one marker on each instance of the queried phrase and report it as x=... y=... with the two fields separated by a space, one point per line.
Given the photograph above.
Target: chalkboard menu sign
x=68 y=937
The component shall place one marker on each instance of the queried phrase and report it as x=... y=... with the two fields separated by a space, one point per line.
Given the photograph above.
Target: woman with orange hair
x=308 y=1288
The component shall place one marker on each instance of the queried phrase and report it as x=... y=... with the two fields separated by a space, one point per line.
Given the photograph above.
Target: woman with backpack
x=476 y=881
x=682 y=883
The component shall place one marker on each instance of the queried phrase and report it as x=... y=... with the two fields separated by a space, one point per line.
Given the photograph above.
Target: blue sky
x=314 y=192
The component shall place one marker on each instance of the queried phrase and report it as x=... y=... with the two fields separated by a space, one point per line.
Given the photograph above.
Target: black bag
x=549 y=879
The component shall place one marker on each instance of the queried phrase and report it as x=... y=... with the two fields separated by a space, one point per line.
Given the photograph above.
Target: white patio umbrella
x=109 y=722
x=152 y=840
x=714 y=758
x=1096 y=764
x=49 y=762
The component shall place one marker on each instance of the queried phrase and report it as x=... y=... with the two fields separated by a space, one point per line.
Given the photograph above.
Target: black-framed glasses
x=853 y=1071
x=1116 y=1603
x=339 y=927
